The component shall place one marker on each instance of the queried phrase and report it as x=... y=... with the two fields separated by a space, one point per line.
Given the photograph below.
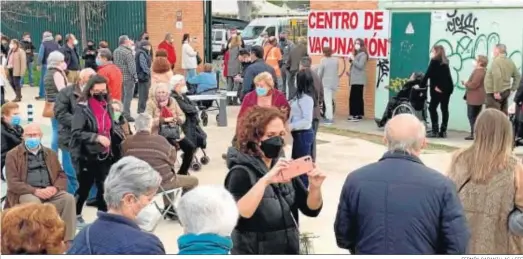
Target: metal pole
x=208 y=31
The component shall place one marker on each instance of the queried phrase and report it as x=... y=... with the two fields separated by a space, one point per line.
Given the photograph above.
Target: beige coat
x=487 y=207
x=154 y=110
x=19 y=62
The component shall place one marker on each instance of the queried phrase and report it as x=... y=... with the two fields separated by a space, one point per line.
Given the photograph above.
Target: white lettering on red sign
x=340 y=29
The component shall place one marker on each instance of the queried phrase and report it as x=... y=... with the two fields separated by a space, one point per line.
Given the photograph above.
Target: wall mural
x=465 y=34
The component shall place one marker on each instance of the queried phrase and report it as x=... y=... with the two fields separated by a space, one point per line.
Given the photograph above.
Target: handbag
x=48 y=111
x=170 y=131
x=198 y=59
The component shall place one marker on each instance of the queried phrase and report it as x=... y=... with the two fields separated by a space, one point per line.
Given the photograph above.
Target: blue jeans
x=189 y=73
x=41 y=88
x=92 y=193
x=30 y=72
x=302 y=146
x=67 y=164
x=54 y=136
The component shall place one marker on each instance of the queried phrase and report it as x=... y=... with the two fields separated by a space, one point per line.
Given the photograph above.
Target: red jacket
x=113 y=75
x=250 y=100
x=225 y=63
x=171 y=52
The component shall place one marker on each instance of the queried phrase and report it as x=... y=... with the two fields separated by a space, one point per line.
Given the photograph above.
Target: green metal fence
x=107 y=21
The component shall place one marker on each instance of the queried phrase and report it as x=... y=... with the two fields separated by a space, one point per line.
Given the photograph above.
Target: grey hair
x=55 y=58
x=176 y=80
x=502 y=48
x=168 y=36
x=122 y=39
x=105 y=53
x=208 y=209
x=129 y=175
x=159 y=86
x=47 y=34
x=143 y=122
x=413 y=142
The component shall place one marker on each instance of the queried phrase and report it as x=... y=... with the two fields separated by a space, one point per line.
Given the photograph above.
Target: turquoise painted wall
x=467 y=33
x=464 y=33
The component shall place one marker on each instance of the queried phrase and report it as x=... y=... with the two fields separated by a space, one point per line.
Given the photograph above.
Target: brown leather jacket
x=16 y=173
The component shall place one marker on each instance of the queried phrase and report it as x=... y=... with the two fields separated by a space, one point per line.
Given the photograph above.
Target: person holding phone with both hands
x=268 y=201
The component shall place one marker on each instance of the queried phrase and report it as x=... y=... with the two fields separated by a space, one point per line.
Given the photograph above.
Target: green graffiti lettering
x=464 y=50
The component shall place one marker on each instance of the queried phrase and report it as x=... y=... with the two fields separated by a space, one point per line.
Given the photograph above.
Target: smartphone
x=297 y=167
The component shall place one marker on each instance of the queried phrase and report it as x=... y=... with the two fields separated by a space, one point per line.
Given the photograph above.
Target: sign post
x=339 y=30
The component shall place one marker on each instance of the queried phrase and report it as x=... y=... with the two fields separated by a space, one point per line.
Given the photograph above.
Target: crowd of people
x=410 y=209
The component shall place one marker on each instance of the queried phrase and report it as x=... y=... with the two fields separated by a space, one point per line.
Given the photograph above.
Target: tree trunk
x=245 y=10
x=83 y=23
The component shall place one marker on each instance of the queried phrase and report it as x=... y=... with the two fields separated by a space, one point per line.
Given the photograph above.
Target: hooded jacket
x=272 y=229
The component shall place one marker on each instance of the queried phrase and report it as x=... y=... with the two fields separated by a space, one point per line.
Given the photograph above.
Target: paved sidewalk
x=454 y=138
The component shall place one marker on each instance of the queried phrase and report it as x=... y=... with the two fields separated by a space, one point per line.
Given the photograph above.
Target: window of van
x=271 y=31
x=218 y=36
x=252 y=32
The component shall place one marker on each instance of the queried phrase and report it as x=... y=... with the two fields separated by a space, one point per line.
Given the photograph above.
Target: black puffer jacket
x=191 y=127
x=64 y=106
x=11 y=137
x=272 y=229
x=84 y=131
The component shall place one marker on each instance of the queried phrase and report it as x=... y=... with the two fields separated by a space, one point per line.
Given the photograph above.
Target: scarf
x=204 y=244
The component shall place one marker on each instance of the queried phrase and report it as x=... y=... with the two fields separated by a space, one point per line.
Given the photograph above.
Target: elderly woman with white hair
x=167 y=119
x=130 y=187
x=208 y=215
x=55 y=80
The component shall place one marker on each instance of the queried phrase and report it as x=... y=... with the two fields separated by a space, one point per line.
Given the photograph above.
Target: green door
x=410 y=36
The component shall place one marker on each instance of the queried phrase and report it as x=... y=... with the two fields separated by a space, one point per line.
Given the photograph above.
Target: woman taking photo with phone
x=302 y=110
x=267 y=203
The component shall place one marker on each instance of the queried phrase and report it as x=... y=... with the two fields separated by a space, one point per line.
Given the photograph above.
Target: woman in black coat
x=441 y=87
x=89 y=55
x=11 y=130
x=96 y=140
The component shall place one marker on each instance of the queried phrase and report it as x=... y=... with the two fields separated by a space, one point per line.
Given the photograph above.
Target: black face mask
x=271 y=147
x=282 y=39
x=100 y=96
x=60 y=42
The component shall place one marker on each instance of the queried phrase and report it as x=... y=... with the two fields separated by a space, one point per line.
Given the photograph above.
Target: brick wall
x=161 y=19
x=342 y=96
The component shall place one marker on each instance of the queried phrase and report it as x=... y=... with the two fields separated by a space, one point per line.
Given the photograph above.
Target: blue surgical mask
x=261 y=91
x=32 y=143
x=98 y=62
x=16 y=119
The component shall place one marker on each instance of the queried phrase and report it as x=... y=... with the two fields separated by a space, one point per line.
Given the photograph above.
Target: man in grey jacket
x=286 y=47
x=123 y=58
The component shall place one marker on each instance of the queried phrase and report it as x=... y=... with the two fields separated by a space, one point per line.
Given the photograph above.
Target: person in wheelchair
x=191 y=127
x=411 y=95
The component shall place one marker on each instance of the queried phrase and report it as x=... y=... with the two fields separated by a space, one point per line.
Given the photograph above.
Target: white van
x=273 y=26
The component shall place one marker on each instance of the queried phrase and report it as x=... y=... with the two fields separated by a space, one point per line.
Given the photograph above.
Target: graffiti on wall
x=383 y=71
x=462 y=23
x=467 y=42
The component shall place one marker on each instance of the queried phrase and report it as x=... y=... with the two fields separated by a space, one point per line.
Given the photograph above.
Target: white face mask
x=432 y=55
x=474 y=63
x=357 y=47
x=75 y=42
x=12 y=46
x=184 y=89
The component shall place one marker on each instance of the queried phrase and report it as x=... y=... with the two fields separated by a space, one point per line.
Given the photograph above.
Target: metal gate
x=105 y=21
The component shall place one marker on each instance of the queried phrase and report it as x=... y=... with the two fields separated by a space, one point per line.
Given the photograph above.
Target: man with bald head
x=64 y=107
x=34 y=175
x=398 y=205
